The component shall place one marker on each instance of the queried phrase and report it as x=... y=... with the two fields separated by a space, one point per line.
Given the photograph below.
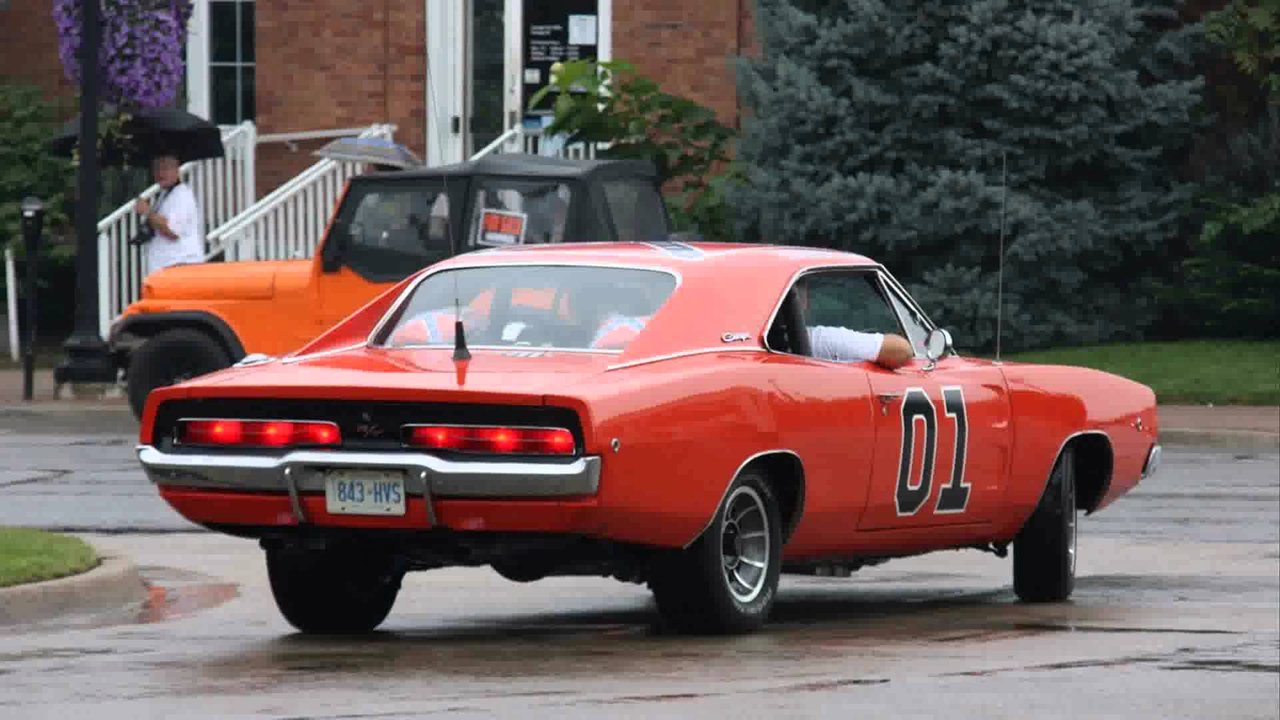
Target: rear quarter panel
x=686 y=426
x=1050 y=404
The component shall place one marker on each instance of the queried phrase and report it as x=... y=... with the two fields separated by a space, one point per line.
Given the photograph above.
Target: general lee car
x=646 y=411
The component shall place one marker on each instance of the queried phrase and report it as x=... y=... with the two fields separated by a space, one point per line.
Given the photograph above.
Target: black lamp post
x=32 y=224
x=87 y=358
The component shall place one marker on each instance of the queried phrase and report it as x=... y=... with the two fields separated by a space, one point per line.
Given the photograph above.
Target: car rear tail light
x=491 y=439
x=257 y=433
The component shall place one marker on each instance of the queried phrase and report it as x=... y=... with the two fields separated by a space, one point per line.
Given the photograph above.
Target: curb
x=1236 y=439
x=113 y=584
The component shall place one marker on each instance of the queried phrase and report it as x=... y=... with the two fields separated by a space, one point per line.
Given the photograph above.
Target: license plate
x=358 y=491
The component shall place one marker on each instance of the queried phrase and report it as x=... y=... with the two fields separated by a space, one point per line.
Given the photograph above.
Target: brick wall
x=329 y=64
x=332 y=63
x=688 y=47
x=29 y=47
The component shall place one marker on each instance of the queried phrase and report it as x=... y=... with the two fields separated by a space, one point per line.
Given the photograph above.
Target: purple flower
x=141 y=60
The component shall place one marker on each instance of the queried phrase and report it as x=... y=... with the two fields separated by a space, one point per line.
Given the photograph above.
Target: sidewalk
x=1252 y=426
x=43 y=393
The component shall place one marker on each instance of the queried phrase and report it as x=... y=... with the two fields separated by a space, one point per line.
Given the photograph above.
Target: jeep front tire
x=170 y=357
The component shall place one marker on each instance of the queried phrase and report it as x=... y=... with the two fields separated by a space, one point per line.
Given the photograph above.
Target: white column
x=198 y=60
x=513 y=64
x=446 y=68
x=604 y=27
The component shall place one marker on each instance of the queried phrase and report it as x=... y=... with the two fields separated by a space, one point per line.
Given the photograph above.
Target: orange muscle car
x=647 y=411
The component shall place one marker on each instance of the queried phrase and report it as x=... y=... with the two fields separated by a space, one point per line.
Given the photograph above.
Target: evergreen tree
x=883 y=126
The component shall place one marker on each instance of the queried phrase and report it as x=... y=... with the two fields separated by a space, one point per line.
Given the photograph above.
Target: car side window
x=917 y=331
x=850 y=300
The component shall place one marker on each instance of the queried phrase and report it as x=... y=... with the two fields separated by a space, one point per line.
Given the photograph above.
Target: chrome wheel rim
x=744 y=544
x=1071 y=541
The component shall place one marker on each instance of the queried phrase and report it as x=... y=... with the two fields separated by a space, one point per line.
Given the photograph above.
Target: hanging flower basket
x=141 y=59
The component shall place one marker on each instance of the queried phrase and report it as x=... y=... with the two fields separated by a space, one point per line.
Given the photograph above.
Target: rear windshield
x=563 y=307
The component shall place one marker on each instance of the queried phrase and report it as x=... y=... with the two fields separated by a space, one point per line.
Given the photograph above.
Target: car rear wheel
x=332 y=591
x=726 y=581
x=1044 y=552
x=171 y=357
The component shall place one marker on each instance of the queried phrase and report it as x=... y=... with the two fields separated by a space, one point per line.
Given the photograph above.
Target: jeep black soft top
x=433 y=213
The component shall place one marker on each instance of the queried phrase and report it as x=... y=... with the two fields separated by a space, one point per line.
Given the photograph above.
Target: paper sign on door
x=501 y=227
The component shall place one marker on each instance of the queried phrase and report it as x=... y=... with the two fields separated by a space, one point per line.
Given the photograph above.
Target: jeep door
x=385 y=230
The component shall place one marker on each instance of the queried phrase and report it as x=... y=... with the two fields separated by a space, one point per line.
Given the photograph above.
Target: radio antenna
x=460 y=351
x=1004 y=193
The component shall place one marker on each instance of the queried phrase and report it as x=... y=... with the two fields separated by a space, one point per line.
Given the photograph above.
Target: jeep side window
x=521 y=213
x=393 y=229
x=637 y=210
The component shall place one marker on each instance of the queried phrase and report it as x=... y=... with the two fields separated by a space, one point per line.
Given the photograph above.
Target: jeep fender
x=145 y=325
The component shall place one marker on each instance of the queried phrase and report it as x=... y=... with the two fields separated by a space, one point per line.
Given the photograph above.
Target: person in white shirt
x=840 y=344
x=175 y=219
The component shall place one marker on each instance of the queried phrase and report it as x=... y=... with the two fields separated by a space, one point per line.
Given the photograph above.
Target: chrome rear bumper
x=1153 y=462
x=303 y=471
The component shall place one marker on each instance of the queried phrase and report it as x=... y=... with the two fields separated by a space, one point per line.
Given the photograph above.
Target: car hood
x=222 y=281
x=401 y=374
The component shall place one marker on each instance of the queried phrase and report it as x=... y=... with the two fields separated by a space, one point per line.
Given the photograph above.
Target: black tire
x=332 y=592
x=1044 y=552
x=712 y=587
x=171 y=357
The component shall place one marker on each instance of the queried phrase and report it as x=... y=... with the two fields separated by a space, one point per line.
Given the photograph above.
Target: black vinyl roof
x=530 y=166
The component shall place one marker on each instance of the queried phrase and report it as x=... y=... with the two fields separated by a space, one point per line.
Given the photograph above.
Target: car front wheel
x=1044 y=552
x=334 y=591
x=726 y=581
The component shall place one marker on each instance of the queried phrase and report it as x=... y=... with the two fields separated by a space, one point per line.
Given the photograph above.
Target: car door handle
x=885 y=399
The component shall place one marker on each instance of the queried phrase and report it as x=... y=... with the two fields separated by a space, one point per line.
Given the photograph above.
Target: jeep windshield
x=562 y=307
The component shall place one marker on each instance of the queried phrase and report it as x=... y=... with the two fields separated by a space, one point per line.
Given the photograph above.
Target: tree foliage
x=632 y=117
x=27 y=122
x=885 y=128
x=1231 y=282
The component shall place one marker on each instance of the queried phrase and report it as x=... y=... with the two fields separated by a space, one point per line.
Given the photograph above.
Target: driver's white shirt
x=844 y=345
x=180 y=210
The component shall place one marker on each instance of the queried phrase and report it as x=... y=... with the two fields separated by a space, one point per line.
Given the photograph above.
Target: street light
x=87 y=358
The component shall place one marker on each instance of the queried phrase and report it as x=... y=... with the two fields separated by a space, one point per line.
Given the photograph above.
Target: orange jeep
x=195 y=319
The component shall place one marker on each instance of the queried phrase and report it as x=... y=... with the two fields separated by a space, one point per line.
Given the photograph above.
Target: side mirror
x=937 y=344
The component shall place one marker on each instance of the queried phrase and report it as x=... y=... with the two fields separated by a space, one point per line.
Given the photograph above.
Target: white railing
x=223 y=187
x=535 y=142
x=289 y=221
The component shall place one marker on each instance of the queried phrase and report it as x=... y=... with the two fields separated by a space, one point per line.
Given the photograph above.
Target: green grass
x=1222 y=372
x=31 y=555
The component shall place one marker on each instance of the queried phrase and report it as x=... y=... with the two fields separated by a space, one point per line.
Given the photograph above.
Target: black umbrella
x=149 y=132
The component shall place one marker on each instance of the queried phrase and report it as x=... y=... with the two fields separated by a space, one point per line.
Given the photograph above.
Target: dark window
x=536 y=211
x=389 y=230
x=850 y=300
x=231 y=60
x=637 y=210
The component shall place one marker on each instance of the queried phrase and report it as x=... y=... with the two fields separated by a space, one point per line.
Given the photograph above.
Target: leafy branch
x=609 y=104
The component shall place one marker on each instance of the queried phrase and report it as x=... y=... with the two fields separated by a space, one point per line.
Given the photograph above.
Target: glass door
x=468 y=77
x=486 y=87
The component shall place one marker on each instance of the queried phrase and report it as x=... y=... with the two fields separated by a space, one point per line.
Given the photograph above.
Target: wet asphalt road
x=1176 y=614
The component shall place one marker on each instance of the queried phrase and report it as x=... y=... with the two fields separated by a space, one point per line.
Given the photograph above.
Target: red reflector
x=257 y=433
x=275 y=434
x=503 y=440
